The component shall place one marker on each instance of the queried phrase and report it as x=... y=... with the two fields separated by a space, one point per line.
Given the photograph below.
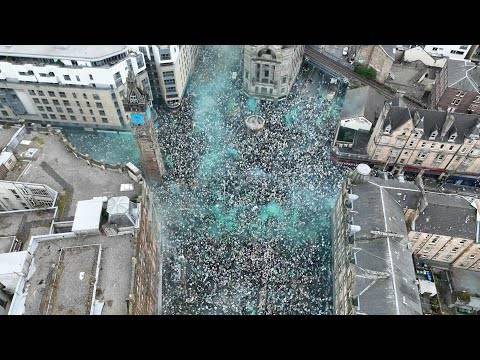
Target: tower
x=141 y=116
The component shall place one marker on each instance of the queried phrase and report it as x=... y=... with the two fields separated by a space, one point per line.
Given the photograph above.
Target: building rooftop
x=69 y=52
x=385 y=275
x=70 y=273
x=363 y=101
x=463 y=124
x=24 y=224
x=72 y=177
x=389 y=50
x=463 y=75
x=448 y=214
x=6 y=135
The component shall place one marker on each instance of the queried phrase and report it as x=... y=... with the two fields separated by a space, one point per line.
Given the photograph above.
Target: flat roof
x=13 y=262
x=65 y=173
x=74 y=294
x=87 y=215
x=76 y=52
x=24 y=224
x=74 y=281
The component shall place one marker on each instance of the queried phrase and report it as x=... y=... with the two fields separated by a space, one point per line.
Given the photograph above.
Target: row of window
x=72 y=117
x=44 y=101
x=61 y=94
x=69 y=110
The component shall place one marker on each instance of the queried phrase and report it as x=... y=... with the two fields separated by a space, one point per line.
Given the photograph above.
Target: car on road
x=345 y=51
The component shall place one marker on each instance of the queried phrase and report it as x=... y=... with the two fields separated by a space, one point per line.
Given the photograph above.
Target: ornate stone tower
x=269 y=71
x=141 y=117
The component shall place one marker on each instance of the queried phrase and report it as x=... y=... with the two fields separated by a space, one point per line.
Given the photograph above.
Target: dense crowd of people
x=245 y=214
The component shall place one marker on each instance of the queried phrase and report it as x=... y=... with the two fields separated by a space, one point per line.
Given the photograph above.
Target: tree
x=365 y=71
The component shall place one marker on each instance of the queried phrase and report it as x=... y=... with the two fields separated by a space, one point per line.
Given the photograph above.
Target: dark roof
x=396 y=116
x=363 y=101
x=394 y=290
x=463 y=124
x=449 y=215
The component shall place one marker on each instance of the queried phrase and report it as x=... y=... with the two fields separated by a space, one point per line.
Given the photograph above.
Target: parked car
x=345 y=51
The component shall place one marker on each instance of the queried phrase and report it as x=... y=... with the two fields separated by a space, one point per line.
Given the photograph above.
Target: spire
x=136 y=98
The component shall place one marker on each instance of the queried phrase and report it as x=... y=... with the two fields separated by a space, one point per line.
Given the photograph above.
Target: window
x=460 y=94
x=171 y=88
x=62 y=94
x=81 y=111
x=104 y=120
x=66 y=77
x=40 y=108
x=59 y=109
x=84 y=118
x=77 y=102
x=451 y=147
x=167 y=73
x=45 y=101
x=85 y=96
x=51 y=93
x=74 y=95
x=66 y=102
x=93 y=119
x=45 y=116
x=88 y=103
x=102 y=112
x=91 y=112
x=49 y=108
x=91 y=77
x=96 y=97
x=31 y=92
x=56 y=102
x=69 y=110
x=40 y=93
x=169 y=81
x=63 y=117
x=456 y=101
x=53 y=117
x=72 y=117
x=4 y=113
x=99 y=105
x=463 y=47
x=36 y=101
x=477 y=99
x=78 y=77
x=434 y=49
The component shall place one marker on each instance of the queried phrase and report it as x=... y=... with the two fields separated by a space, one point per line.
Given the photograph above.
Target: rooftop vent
x=360 y=174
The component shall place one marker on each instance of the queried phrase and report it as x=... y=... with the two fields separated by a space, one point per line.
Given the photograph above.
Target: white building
x=67 y=85
x=270 y=70
x=23 y=196
x=456 y=52
x=169 y=70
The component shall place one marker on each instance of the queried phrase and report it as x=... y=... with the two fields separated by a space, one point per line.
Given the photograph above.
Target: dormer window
x=388 y=128
x=452 y=137
x=433 y=135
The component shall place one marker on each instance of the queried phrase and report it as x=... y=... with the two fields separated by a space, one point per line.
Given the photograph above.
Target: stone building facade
x=426 y=139
x=269 y=71
x=74 y=86
x=20 y=196
x=379 y=57
x=170 y=68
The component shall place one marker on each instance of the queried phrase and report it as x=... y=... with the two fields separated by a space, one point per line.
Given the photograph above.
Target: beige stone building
x=426 y=139
x=269 y=71
x=378 y=57
x=67 y=85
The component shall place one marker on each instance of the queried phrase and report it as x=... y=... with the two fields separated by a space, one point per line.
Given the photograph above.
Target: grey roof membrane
x=392 y=290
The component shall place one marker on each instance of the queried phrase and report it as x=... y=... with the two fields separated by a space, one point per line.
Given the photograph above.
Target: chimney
x=360 y=174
